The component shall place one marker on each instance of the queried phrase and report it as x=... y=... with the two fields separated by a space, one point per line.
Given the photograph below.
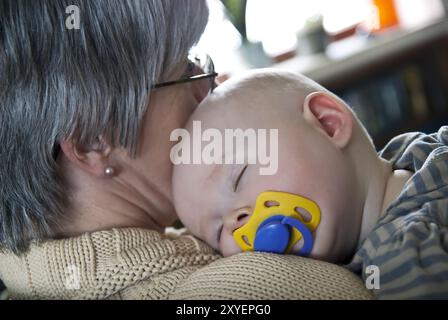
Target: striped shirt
x=409 y=245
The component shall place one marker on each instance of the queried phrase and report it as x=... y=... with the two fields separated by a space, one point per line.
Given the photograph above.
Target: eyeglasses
x=200 y=67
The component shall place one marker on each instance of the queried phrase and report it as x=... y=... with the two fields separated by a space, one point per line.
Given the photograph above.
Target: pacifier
x=276 y=224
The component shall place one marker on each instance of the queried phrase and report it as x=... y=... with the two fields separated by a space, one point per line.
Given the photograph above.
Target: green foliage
x=236 y=10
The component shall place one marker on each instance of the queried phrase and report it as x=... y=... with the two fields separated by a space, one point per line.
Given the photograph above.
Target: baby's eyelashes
x=237 y=178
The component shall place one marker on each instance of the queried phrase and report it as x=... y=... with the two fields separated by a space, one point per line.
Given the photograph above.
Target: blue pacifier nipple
x=274 y=234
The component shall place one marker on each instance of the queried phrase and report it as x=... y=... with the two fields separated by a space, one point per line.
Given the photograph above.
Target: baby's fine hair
x=255 y=85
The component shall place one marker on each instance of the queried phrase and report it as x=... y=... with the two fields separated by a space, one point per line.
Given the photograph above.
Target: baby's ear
x=330 y=114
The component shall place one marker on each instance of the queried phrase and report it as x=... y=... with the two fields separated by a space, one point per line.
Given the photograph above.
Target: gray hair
x=57 y=83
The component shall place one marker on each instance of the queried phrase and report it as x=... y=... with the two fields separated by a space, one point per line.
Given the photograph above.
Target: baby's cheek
x=228 y=246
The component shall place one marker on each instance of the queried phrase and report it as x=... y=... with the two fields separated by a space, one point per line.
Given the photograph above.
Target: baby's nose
x=236 y=219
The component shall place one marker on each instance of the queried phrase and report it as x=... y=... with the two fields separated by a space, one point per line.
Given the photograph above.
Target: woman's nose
x=236 y=220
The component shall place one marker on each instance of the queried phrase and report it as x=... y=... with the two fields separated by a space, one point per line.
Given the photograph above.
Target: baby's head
x=315 y=155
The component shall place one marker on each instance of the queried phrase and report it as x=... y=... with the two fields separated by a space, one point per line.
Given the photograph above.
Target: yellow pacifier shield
x=271 y=203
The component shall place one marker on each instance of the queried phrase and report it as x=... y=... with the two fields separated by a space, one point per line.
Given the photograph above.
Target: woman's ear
x=331 y=115
x=92 y=159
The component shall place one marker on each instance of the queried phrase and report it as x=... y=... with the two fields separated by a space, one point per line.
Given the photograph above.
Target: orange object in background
x=387 y=14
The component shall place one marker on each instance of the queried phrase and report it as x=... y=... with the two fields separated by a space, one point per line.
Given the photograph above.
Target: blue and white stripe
x=410 y=243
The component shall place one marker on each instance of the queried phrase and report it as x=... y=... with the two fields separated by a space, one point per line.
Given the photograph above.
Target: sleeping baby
x=331 y=196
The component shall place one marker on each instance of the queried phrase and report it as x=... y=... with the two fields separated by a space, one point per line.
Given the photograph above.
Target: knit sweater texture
x=136 y=263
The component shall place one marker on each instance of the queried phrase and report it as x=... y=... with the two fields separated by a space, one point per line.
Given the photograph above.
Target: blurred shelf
x=396 y=81
x=414 y=124
x=347 y=60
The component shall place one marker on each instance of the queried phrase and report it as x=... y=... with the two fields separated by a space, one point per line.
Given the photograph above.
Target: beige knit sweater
x=143 y=264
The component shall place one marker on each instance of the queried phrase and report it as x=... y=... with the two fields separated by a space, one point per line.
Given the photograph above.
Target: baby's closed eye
x=238 y=177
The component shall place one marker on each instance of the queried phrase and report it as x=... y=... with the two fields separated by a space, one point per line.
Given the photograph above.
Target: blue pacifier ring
x=308 y=241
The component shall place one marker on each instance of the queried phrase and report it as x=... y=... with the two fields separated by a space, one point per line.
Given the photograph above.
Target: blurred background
x=386 y=58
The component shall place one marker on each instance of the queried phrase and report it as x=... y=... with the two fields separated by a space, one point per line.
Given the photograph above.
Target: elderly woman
x=85 y=181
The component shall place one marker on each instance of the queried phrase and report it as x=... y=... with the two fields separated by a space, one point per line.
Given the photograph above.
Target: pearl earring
x=109 y=171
